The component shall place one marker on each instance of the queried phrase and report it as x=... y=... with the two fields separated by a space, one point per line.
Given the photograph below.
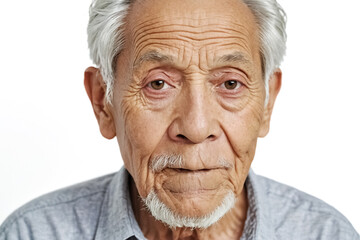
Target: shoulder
x=69 y=210
x=295 y=213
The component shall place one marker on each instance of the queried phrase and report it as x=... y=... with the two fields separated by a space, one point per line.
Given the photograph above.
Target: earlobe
x=95 y=88
x=274 y=88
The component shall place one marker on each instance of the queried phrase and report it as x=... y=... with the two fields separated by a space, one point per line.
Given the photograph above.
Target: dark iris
x=158 y=84
x=231 y=84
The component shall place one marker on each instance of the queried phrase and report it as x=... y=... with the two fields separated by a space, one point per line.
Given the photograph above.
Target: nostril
x=181 y=136
x=211 y=136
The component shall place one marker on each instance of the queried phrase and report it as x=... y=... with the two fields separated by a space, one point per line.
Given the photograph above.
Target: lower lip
x=192 y=182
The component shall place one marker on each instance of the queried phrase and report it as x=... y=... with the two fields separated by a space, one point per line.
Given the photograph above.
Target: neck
x=229 y=227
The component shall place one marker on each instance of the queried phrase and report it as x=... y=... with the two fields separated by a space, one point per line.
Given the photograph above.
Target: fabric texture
x=100 y=209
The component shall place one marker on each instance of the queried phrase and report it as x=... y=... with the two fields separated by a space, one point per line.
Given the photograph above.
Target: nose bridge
x=196 y=115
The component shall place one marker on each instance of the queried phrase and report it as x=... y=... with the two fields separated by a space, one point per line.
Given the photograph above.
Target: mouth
x=190 y=171
x=192 y=182
x=178 y=163
x=198 y=172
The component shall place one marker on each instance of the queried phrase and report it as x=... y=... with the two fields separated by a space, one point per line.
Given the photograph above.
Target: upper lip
x=184 y=169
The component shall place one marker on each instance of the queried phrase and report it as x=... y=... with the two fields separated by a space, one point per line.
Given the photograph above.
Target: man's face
x=189 y=83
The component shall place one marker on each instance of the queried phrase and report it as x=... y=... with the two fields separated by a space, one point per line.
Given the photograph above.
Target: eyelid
x=222 y=77
x=153 y=77
x=157 y=74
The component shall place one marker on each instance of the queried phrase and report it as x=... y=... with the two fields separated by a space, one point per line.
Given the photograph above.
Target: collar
x=117 y=220
x=258 y=224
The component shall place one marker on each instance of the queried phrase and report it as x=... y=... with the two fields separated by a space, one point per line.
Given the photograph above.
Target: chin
x=172 y=219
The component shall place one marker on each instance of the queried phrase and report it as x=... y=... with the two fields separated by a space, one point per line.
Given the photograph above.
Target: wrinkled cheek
x=141 y=135
x=240 y=171
x=243 y=143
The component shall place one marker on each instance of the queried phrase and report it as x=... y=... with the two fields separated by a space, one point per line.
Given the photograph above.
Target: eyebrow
x=152 y=56
x=155 y=56
x=234 y=57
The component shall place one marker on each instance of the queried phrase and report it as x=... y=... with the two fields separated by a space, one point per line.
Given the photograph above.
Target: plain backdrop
x=49 y=137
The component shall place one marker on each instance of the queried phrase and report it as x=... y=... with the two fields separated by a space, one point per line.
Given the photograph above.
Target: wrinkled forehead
x=191 y=9
x=195 y=23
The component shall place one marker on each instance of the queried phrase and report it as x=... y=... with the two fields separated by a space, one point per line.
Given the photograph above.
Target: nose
x=196 y=119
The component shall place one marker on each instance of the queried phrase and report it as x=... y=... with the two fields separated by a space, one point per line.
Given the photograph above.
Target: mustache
x=160 y=162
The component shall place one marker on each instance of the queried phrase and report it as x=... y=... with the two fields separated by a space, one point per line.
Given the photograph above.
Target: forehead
x=209 y=27
x=191 y=9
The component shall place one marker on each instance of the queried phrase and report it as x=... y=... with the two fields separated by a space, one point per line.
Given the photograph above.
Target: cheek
x=242 y=130
x=242 y=127
x=139 y=132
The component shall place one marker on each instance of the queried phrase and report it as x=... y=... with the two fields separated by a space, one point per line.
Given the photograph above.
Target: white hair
x=164 y=214
x=106 y=36
x=161 y=162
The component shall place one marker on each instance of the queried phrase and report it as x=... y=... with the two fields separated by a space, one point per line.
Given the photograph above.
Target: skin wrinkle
x=246 y=57
x=152 y=55
x=208 y=42
x=153 y=25
x=149 y=57
x=150 y=25
x=162 y=45
x=227 y=138
x=182 y=28
x=244 y=66
x=132 y=154
x=146 y=34
x=140 y=28
x=233 y=43
x=183 y=38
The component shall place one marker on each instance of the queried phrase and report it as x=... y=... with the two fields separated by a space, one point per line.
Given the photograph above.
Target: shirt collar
x=258 y=224
x=117 y=220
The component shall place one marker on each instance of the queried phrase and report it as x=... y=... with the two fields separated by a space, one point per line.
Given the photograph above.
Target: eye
x=231 y=84
x=158 y=85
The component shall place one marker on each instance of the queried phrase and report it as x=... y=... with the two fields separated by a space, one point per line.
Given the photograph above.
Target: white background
x=49 y=137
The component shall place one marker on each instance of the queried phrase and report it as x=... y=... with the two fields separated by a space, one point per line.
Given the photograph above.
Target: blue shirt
x=100 y=209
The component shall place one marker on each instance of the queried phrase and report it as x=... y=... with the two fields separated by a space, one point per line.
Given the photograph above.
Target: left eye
x=158 y=85
x=231 y=84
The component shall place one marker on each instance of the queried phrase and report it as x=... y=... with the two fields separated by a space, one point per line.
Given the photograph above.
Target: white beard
x=164 y=214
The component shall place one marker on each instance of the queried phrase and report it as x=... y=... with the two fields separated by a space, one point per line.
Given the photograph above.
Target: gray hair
x=164 y=214
x=161 y=162
x=106 y=36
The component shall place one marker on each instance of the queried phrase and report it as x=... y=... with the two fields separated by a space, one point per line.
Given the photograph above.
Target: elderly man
x=187 y=87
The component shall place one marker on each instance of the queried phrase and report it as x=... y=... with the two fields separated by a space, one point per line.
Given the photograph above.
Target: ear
x=95 y=88
x=274 y=88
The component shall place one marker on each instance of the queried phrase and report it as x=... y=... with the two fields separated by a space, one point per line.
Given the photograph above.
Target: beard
x=164 y=214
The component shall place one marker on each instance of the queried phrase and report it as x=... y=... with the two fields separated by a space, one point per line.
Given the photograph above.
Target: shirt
x=100 y=209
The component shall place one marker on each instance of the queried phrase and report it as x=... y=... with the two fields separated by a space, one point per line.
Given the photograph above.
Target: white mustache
x=160 y=162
